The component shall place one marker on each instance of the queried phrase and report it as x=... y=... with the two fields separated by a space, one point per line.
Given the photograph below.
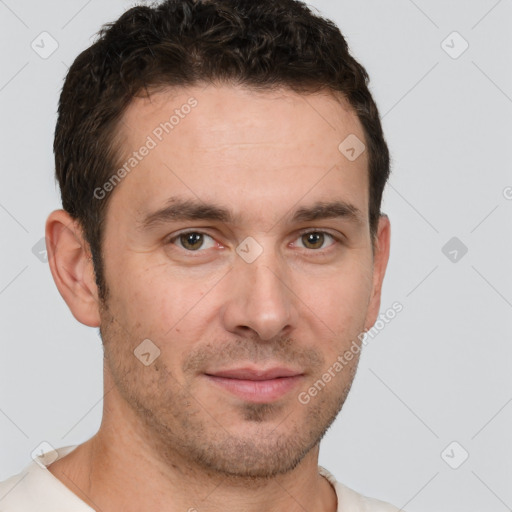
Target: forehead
x=228 y=106
x=240 y=146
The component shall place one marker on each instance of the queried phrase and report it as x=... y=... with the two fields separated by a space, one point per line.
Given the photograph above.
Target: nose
x=260 y=298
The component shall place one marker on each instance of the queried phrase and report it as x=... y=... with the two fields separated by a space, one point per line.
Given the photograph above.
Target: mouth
x=257 y=385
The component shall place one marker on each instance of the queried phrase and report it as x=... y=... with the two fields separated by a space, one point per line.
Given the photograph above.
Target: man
x=221 y=166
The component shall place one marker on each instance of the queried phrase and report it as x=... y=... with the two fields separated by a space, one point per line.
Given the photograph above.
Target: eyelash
x=336 y=239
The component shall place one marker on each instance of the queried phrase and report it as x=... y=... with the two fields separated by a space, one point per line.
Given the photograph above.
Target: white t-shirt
x=36 y=489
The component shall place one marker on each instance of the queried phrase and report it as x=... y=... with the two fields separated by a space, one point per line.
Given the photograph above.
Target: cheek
x=159 y=303
x=137 y=298
x=339 y=307
x=341 y=297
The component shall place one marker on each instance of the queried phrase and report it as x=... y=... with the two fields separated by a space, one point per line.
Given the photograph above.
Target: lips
x=256 y=374
x=256 y=384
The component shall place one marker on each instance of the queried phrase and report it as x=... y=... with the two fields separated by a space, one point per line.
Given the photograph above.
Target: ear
x=71 y=266
x=380 y=262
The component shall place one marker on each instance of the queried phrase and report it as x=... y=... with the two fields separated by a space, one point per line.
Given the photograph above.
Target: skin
x=171 y=438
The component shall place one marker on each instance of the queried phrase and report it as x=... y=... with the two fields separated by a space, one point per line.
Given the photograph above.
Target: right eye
x=191 y=241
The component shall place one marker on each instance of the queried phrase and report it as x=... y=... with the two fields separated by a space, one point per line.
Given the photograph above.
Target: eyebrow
x=177 y=209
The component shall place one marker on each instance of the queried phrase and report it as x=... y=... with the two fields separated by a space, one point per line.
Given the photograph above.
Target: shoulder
x=349 y=499
x=36 y=489
x=11 y=499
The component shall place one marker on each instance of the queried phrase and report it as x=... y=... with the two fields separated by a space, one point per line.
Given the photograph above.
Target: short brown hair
x=261 y=44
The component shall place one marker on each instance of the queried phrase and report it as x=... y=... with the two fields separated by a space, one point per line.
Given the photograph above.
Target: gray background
x=439 y=372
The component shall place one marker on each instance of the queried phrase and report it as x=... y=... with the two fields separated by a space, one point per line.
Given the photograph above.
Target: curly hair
x=264 y=44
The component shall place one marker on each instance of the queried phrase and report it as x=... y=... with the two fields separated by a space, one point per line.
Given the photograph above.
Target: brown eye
x=315 y=239
x=193 y=241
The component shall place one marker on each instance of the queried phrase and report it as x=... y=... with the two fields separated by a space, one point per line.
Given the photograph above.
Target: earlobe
x=71 y=267
x=380 y=262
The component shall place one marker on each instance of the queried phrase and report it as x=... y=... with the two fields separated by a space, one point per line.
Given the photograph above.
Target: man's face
x=249 y=311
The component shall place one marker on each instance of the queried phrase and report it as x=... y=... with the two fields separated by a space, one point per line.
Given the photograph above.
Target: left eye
x=193 y=241
x=315 y=239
